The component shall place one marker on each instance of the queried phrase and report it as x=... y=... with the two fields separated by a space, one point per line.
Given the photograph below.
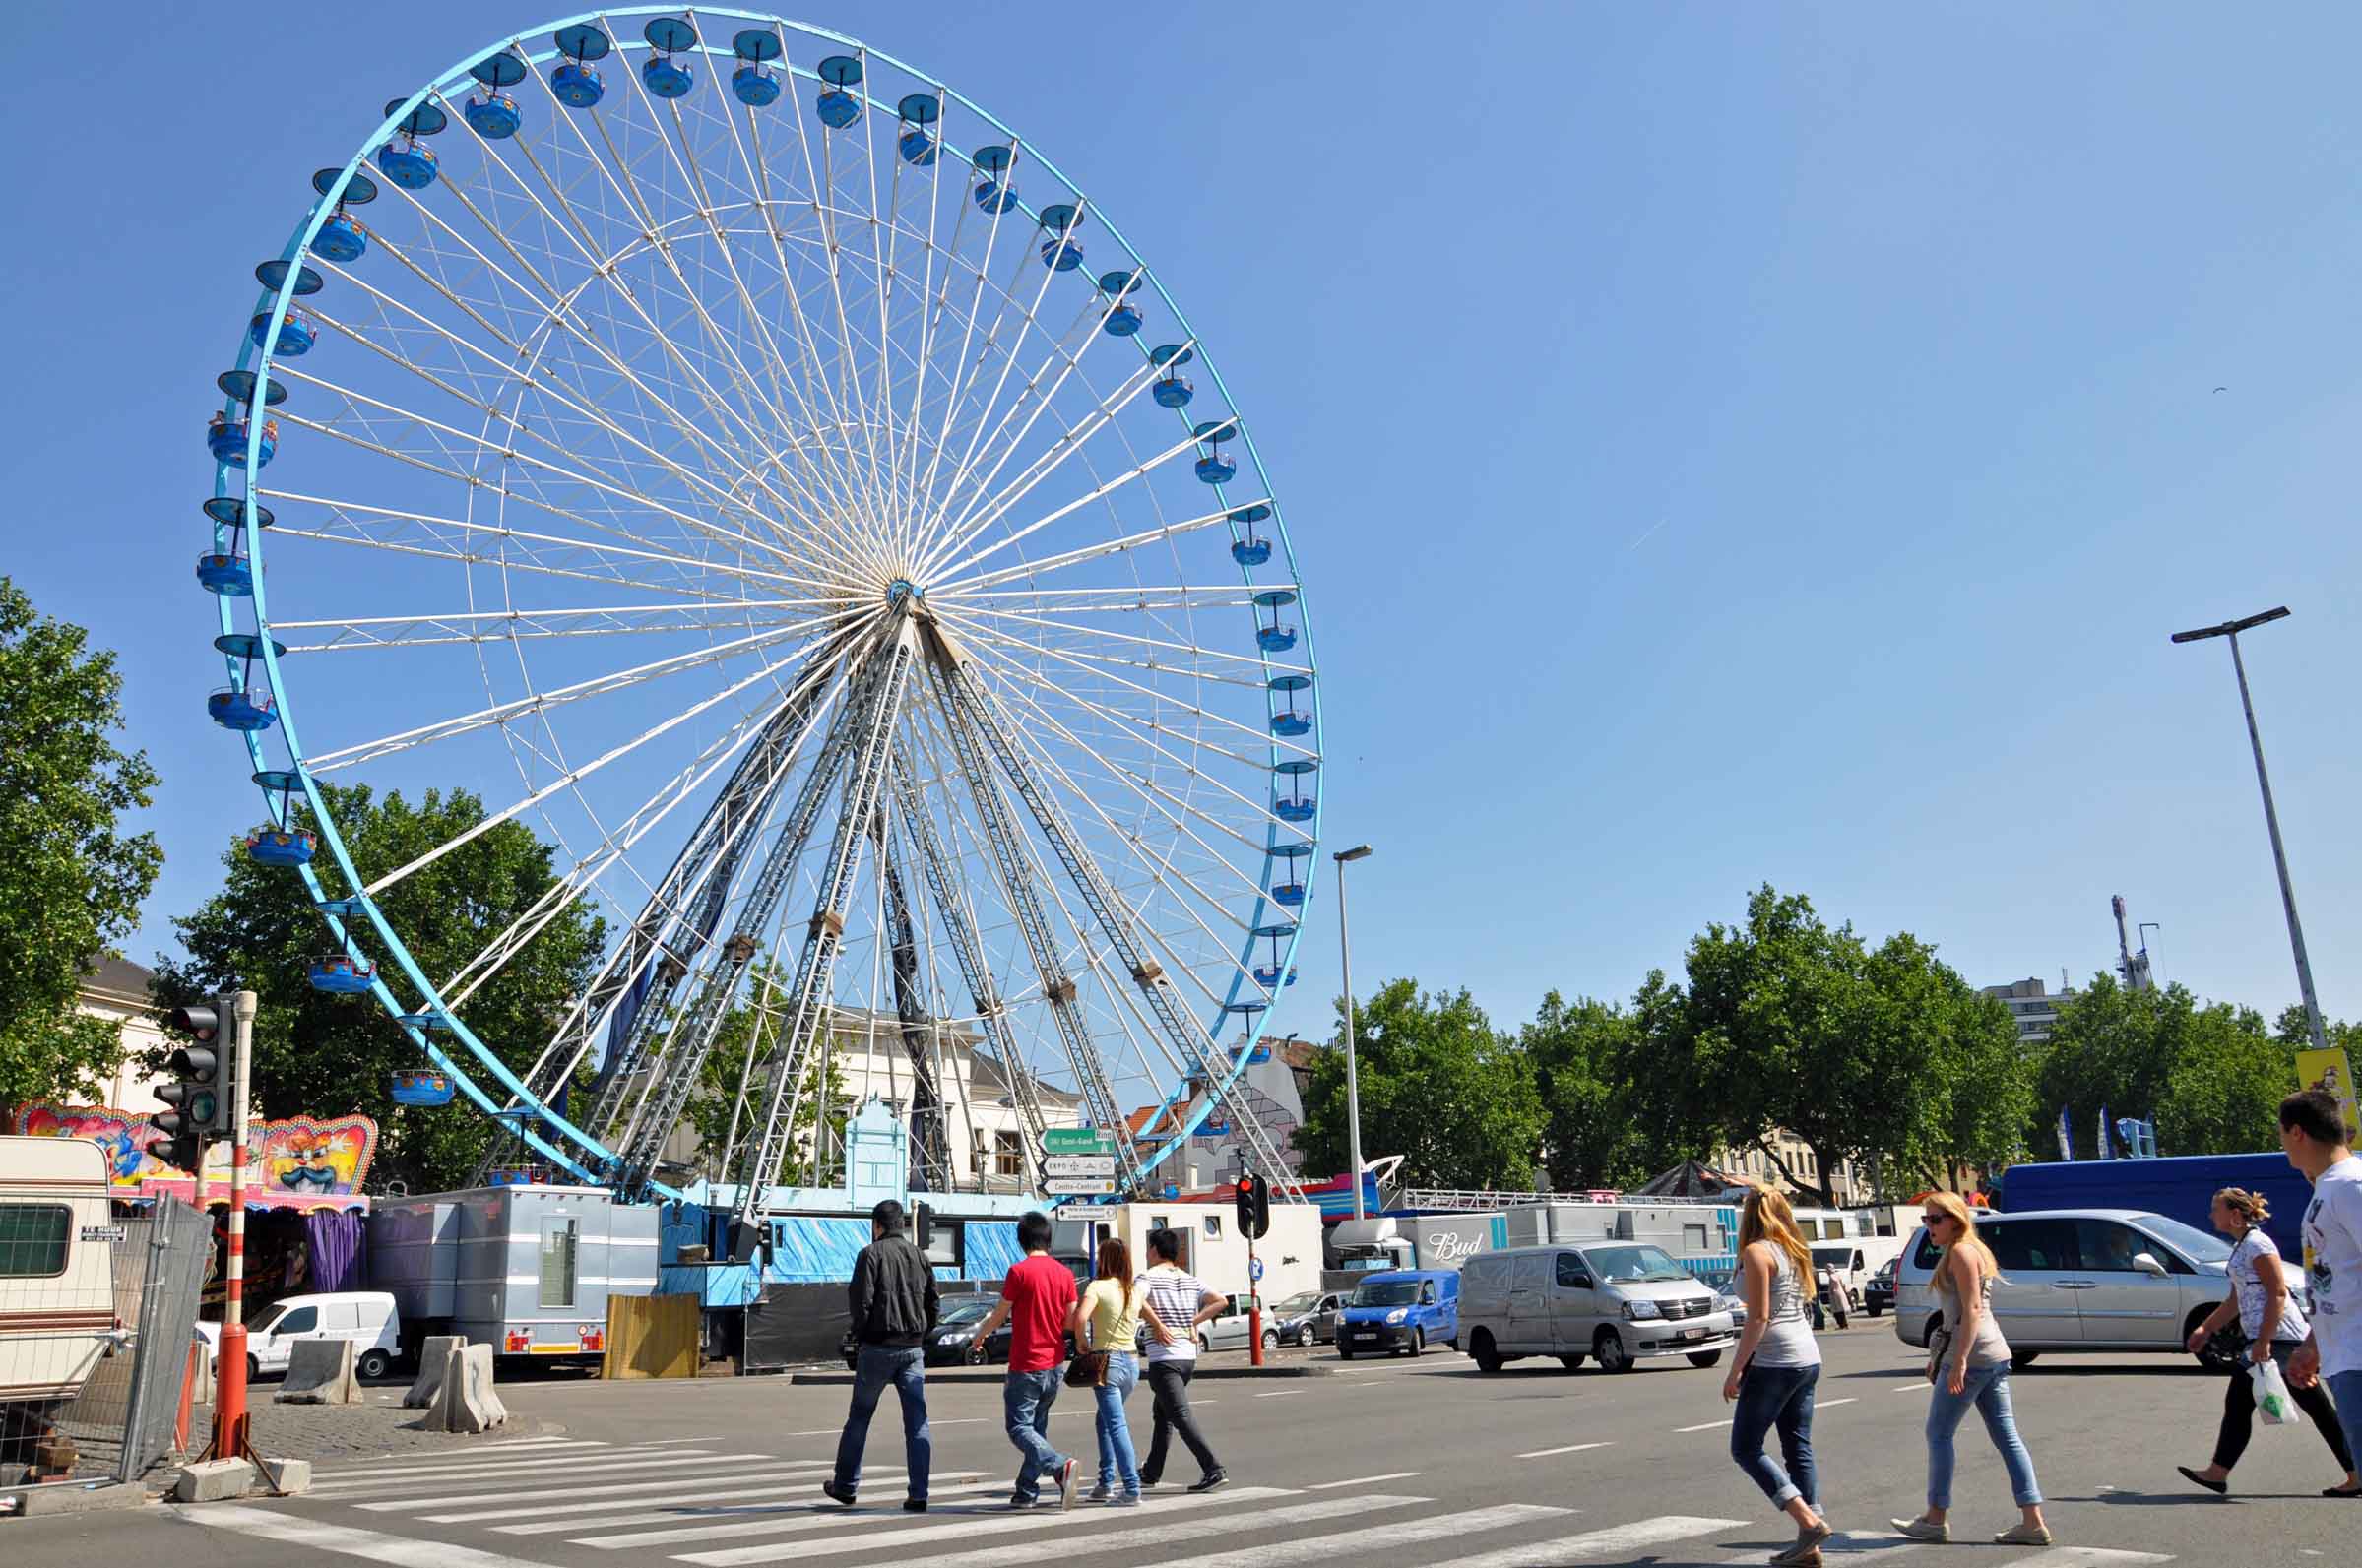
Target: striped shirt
x=1173 y=1295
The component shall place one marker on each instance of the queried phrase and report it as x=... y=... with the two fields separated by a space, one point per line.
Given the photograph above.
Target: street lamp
x=2271 y=818
x=1352 y=1078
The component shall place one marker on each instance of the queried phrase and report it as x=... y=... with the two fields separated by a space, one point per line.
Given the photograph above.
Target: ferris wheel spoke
x=971 y=358
x=973 y=614
x=1099 y=492
x=465 y=626
x=948 y=587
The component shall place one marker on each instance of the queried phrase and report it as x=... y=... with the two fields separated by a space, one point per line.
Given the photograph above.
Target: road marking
x=1378 y=1538
x=1920 y=1387
x=964 y=1420
x=1153 y=1539
x=1364 y=1481
x=490 y=1454
x=2086 y=1558
x=605 y=1458
x=1705 y=1426
x=1831 y=1404
x=1280 y=1393
x=396 y=1481
x=1571 y=1448
x=346 y=1539
x=1614 y=1540
x=501 y=1447
x=981 y=1522
x=693 y=1508
x=634 y=1495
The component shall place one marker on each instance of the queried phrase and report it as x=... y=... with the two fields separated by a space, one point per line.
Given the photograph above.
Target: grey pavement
x=1385 y=1465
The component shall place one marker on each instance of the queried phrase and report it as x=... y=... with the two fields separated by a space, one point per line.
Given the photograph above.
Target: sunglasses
x=1934 y=1219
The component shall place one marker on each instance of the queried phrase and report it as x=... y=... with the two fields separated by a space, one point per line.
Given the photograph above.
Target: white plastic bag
x=2272 y=1403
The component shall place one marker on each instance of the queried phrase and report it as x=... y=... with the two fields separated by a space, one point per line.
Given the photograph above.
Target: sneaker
x=1212 y=1480
x=914 y=1505
x=1921 y=1530
x=1149 y=1483
x=1807 y=1548
x=2023 y=1536
x=1020 y=1500
x=1125 y=1501
x=835 y=1493
x=1067 y=1484
x=1100 y=1493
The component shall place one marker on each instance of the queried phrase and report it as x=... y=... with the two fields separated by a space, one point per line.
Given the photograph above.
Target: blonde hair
x=1766 y=1216
x=1954 y=1208
x=2250 y=1207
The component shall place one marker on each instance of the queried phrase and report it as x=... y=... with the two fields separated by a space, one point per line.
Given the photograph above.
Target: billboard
x=2330 y=1070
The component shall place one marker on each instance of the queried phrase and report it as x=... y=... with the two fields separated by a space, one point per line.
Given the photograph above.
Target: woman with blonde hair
x=2274 y=1325
x=1776 y=1368
x=1968 y=1362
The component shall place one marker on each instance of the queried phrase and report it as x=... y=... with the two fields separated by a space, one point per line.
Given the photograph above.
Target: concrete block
x=36 y=1502
x=320 y=1372
x=435 y=1357
x=290 y=1476
x=466 y=1403
x=214 y=1480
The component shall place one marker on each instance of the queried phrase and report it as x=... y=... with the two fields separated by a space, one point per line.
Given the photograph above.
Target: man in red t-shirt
x=1034 y=1300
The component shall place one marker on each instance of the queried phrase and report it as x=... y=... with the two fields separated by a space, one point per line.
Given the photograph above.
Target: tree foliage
x=330 y=1055
x=70 y=880
x=2211 y=1076
x=804 y=1162
x=1437 y=1086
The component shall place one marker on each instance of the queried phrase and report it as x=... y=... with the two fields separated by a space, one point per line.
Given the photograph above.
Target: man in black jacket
x=894 y=1308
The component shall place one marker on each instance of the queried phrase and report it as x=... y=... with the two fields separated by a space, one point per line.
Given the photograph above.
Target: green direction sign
x=1077 y=1141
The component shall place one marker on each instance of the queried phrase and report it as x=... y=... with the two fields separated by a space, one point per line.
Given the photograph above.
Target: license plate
x=1694 y=1334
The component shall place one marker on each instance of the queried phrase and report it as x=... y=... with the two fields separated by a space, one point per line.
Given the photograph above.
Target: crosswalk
x=544 y=1502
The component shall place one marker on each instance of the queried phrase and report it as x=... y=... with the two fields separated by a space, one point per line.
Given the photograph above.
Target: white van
x=368 y=1318
x=1620 y=1302
x=57 y=1279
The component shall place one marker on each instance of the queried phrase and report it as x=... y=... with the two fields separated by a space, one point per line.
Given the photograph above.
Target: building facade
x=2033 y=1006
x=1801 y=1178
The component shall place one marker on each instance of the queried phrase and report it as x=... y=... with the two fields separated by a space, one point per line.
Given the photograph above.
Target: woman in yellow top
x=1108 y=1318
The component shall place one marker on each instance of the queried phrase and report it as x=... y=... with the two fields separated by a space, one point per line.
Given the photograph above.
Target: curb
x=68 y=1497
x=988 y=1377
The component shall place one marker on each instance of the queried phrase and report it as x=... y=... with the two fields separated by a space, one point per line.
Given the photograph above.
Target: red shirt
x=1040 y=1293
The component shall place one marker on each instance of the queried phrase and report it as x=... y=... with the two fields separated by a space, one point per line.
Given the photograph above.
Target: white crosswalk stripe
x=1153 y=1541
x=617 y=1494
x=886 y=1508
x=1614 y=1540
x=608 y=1464
x=983 y=1523
x=506 y=1448
x=374 y=1546
x=1378 y=1538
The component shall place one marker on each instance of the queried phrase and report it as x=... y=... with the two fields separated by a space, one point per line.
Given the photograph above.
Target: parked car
x=2087 y=1280
x=1309 y=1317
x=1620 y=1302
x=1879 y=1294
x=1402 y=1312
x=1233 y=1330
x=953 y=1342
x=367 y=1318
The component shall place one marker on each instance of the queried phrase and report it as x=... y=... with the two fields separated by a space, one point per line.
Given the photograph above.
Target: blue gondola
x=754 y=86
x=241 y=709
x=1270 y=976
x=421 y=1085
x=1173 y=390
x=1290 y=720
x=226 y=439
x=227 y=572
x=1061 y=253
x=666 y=76
x=1291 y=724
x=919 y=148
x=576 y=83
x=297 y=334
x=342 y=238
x=246 y=645
x=1275 y=637
x=1249 y=1007
x=837 y=107
x=1216 y=1125
x=919 y=145
x=342 y=975
x=995 y=198
x=407 y=164
x=233 y=513
x=1295 y=809
x=494 y=116
x=1249 y=548
x=1123 y=321
x=1214 y=468
x=275 y=845
x=1288 y=895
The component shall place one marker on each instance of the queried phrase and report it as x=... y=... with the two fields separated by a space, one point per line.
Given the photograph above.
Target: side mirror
x=2143 y=1262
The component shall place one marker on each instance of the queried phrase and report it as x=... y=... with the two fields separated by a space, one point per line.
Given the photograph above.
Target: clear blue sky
x=1723 y=444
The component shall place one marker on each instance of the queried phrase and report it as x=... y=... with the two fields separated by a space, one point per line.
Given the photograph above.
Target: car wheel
x=1927 y=1336
x=1305 y=1337
x=1205 y=1346
x=1572 y=1363
x=1488 y=1360
x=1272 y=1338
x=1704 y=1358
x=1419 y=1341
x=254 y=1371
x=1343 y=1355
x=373 y=1365
x=1613 y=1356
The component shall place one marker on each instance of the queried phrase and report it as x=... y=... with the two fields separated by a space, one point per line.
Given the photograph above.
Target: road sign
x=1078 y=1165
x=1077 y=1141
x=1079 y=1186
x=1255 y=1270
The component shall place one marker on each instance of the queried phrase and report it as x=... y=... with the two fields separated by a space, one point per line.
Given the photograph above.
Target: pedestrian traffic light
x=1254 y=1208
x=922 y=1227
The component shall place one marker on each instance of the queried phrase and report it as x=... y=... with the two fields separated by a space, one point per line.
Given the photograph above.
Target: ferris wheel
x=732 y=452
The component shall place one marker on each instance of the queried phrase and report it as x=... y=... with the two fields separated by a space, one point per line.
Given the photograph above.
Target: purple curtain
x=335 y=1242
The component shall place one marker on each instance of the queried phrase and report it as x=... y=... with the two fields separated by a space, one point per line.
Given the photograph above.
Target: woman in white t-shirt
x=2274 y=1326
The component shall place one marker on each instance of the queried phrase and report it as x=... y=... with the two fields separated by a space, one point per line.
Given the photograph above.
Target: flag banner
x=2330 y=1071
x=2107 y=1151
x=2065 y=1135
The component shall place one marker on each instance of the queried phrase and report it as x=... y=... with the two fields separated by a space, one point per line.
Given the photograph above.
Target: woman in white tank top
x=1775 y=1370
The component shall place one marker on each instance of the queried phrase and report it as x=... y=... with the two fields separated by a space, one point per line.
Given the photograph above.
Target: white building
x=2034 y=1007
x=117 y=991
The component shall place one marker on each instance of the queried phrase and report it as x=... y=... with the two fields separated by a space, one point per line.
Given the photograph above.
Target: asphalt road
x=1385 y=1465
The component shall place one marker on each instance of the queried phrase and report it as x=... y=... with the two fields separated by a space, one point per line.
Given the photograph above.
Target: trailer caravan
x=57 y=1279
x=527 y=1270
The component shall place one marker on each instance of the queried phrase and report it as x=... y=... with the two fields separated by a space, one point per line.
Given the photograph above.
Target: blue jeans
x=1117 y=1460
x=1782 y=1397
x=876 y=1366
x=1988 y=1388
x=2346 y=1389
x=1025 y=1399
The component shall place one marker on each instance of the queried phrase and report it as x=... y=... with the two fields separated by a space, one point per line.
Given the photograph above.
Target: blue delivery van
x=2179 y=1188
x=1401 y=1313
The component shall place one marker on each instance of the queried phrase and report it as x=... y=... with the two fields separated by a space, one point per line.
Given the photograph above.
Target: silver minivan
x=1620 y=1302
x=2087 y=1280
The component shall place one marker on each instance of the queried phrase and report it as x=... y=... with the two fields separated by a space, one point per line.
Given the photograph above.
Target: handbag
x=1088 y=1369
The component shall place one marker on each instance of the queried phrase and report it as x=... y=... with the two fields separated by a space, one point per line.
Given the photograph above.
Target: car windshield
x=1833 y=1257
x=2195 y=1243
x=965 y=1312
x=1388 y=1294
x=1635 y=1265
x=1303 y=1302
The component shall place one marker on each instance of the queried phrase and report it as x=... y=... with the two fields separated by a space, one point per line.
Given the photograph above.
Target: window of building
x=1008 y=1156
x=33 y=1239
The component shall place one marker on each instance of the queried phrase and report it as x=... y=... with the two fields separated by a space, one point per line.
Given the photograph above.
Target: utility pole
x=232 y=1439
x=2272 y=817
x=1353 y=1076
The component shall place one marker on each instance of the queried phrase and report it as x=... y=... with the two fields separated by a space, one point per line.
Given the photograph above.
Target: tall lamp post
x=2271 y=818
x=1353 y=1077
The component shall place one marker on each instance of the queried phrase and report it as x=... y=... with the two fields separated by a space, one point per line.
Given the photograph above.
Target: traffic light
x=194 y=1099
x=1254 y=1208
x=922 y=1227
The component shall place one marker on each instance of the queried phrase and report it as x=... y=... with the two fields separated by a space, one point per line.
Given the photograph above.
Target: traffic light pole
x=1254 y=1310
x=232 y=1437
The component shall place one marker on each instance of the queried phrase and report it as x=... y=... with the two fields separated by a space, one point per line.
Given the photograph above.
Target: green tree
x=1589 y=1060
x=2211 y=1076
x=805 y=1162
x=330 y=1055
x=2292 y=1032
x=70 y=880
x=1438 y=1087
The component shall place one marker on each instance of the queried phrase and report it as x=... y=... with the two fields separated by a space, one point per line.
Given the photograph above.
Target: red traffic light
x=199 y=1022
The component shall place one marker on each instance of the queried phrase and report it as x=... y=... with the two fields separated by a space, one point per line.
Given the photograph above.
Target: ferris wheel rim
x=567 y=1143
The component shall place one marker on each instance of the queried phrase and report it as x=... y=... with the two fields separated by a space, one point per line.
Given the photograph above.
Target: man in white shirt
x=2313 y=1132
x=1177 y=1302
